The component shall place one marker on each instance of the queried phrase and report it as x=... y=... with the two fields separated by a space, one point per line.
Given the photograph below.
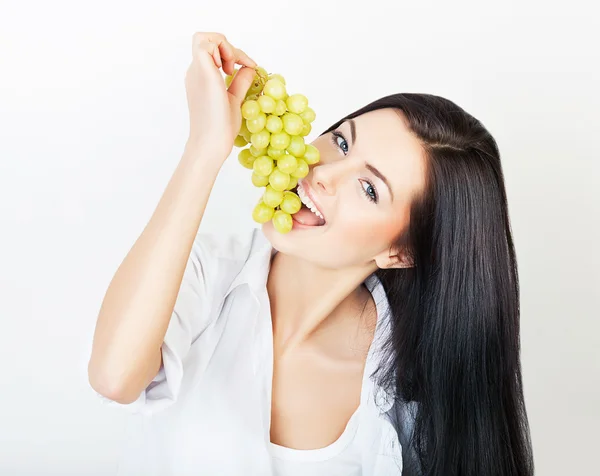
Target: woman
x=384 y=341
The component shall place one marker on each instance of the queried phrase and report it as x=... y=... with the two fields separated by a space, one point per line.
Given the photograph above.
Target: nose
x=326 y=177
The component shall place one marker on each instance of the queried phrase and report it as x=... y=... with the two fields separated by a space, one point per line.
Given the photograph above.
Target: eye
x=340 y=141
x=369 y=190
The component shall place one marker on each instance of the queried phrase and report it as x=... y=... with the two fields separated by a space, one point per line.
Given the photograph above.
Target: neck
x=307 y=299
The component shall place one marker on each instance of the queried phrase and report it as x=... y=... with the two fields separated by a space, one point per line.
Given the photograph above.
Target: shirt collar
x=255 y=270
x=255 y=273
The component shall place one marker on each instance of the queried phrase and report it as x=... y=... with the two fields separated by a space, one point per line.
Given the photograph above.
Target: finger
x=227 y=55
x=207 y=50
x=202 y=37
x=245 y=60
x=231 y=56
x=241 y=83
x=203 y=43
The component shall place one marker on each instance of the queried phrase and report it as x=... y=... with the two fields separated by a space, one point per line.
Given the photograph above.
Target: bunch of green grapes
x=271 y=137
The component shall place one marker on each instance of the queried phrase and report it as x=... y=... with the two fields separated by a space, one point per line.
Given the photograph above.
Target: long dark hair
x=454 y=350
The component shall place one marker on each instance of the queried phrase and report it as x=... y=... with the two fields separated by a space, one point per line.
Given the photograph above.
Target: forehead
x=384 y=140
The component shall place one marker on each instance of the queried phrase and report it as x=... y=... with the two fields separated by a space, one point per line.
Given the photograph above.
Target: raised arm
x=139 y=302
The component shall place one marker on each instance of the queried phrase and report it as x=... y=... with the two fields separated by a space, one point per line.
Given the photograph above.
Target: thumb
x=241 y=83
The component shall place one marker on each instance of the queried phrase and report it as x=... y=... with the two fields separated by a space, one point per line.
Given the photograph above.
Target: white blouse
x=208 y=410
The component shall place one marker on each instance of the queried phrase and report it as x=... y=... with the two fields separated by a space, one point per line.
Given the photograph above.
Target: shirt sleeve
x=192 y=315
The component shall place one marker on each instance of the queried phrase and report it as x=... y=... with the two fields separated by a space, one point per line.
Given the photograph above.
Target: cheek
x=368 y=232
x=390 y=229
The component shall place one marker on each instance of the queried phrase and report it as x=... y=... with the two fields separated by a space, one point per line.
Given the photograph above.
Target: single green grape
x=240 y=141
x=274 y=124
x=280 y=108
x=272 y=197
x=262 y=213
x=263 y=166
x=290 y=203
x=275 y=153
x=261 y=139
x=301 y=171
x=244 y=132
x=297 y=146
x=261 y=180
x=245 y=158
x=311 y=154
x=275 y=89
x=267 y=104
x=279 y=180
x=297 y=103
x=257 y=152
x=293 y=183
x=282 y=221
x=257 y=124
x=292 y=123
x=280 y=140
x=250 y=109
x=278 y=77
x=306 y=130
x=288 y=163
x=308 y=115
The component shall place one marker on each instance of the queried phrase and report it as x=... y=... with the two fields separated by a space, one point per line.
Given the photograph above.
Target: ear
x=393 y=258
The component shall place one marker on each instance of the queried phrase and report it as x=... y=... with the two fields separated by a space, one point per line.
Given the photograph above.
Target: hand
x=215 y=115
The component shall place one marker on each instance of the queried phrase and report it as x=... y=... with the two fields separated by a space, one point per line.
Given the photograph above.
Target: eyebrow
x=370 y=167
x=352 y=130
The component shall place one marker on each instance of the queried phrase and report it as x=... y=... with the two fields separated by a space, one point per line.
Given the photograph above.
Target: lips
x=305 y=187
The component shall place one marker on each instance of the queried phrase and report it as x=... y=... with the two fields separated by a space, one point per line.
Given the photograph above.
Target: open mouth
x=309 y=215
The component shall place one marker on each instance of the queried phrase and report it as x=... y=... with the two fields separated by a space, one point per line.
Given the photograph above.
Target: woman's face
x=370 y=168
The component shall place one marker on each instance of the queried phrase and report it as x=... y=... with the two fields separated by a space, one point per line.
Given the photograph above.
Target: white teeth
x=308 y=202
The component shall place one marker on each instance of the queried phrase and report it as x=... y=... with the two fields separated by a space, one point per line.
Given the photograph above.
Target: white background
x=93 y=121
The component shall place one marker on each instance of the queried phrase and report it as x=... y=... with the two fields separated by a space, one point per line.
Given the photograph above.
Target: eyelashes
x=372 y=197
x=335 y=135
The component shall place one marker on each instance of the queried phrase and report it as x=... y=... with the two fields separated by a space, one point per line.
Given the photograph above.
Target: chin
x=285 y=243
x=277 y=239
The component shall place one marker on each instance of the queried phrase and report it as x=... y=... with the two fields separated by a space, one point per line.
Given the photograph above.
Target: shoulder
x=230 y=246
x=228 y=257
